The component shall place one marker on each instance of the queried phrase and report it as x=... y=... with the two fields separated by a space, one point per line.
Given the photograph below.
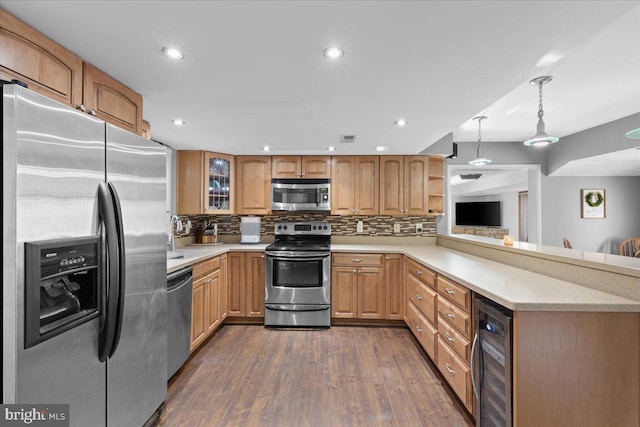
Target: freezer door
x=54 y=159
x=137 y=371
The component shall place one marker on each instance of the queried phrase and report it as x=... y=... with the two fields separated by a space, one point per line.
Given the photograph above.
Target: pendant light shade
x=479 y=160
x=633 y=134
x=540 y=139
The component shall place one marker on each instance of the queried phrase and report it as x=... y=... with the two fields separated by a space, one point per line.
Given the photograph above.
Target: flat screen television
x=478 y=213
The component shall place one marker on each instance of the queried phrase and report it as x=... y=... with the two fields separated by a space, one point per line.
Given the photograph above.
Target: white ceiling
x=254 y=73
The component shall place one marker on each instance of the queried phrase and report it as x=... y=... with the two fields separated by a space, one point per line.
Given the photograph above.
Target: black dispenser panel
x=61 y=286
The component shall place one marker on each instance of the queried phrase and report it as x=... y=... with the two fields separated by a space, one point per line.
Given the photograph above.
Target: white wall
x=561 y=203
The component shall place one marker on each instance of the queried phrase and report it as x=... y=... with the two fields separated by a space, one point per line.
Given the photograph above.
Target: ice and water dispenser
x=61 y=286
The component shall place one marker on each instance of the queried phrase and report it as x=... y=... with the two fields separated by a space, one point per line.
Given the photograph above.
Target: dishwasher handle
x=179 y=279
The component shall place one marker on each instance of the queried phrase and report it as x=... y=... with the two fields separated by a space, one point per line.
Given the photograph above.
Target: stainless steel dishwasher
x=179 y=289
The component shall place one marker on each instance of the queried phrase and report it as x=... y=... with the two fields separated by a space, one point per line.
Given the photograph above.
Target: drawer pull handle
x=449 y=338
x=449 y=315
x=356 y=259
x=449 y=291
x=418 y=272
x=355 y=271
x=419 y=297
x=419 y=329
x=451 y=371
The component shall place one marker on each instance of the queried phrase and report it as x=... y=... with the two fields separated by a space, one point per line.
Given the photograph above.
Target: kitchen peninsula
x=562 y=331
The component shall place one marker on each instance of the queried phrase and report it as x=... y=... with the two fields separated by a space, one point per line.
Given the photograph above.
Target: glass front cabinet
x=218 y=183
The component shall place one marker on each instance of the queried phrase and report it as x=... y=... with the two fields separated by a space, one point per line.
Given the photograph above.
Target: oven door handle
x=297 y=307
x=307 y=256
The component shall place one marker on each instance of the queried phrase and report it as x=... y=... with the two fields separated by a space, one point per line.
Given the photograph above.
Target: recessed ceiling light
x=172 y=53
x=401 y=122
x=332 y=148
x=381 y=148
x=178 y=122
x=266 y=148
x=333 y=52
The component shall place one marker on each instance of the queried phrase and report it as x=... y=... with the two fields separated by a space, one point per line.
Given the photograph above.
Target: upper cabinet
x=45 y=66
x=111 y=101
x=254 y=185
x=301 y=167
x=411 y=185
x=146 y=129
x=205 y=183
x=355 y=188
x=53 y=71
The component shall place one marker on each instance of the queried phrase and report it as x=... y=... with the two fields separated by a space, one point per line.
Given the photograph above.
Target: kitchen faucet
x=172 y=241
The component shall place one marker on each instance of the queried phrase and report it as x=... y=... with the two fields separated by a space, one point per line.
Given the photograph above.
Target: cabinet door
x=392 y=185
x=198 y=313
x=235 y=282
x=344 y=292
x=112 y=101
x=218 y=175
x=189 y=182
x=38 y=61
x=343 y=185
x=371 y=293
x=367 y=185
x=286 y=167
x=213 y=285
x=146 y=129
x=254 y=284
x=394 y=287
x=316 y=167
x=222 y=299
x=416 y=179
x=254 y=185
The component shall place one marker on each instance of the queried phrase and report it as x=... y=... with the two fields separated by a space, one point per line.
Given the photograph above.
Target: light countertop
x=512 y=287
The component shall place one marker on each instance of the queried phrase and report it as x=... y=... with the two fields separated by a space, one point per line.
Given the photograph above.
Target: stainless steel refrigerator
x=84 y=213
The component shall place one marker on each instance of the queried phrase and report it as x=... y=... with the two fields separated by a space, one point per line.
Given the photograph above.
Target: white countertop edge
x=527 y=297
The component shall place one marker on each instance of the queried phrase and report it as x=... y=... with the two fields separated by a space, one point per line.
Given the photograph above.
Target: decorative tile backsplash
x=496 y=232
x=341 y=225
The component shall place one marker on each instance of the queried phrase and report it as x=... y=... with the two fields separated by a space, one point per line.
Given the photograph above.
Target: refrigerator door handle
x=107 y=326
x=121 y=268
x=473 y=373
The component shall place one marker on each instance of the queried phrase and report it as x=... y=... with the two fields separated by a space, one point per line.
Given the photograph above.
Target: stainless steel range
x=298 y=275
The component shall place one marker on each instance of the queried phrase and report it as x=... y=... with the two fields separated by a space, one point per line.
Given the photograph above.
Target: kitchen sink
x=175 y=254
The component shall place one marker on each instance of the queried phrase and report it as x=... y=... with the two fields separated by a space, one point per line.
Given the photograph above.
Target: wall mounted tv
x=478 y=213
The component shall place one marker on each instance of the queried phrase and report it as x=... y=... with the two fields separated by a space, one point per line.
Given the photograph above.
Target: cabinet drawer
x=349 y=259
x=460 y=319
x=459 y=343
x=422 y=297
x=421 y=272
x=423 y=330
x=455 y=292
x=205 y=267
x=456 y=372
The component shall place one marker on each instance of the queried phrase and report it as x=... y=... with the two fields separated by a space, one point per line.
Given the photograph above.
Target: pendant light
x=541 y=138
x=633 y=134
x=479 y=160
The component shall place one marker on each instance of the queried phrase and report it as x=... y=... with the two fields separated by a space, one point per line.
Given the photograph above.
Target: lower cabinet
x=357 y=286
x=208 y=299
x=394 y=287
x=245 y=284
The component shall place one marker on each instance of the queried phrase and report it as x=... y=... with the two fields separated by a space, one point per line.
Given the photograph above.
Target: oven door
x=298 y=278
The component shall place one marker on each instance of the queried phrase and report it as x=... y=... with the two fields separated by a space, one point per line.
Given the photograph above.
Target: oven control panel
x=313 y=228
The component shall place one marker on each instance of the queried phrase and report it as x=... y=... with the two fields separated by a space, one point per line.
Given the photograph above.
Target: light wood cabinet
x=45 y=66
x=224 y=285
x=357 y=286
x=394 y=287
x=55 y=72
x=254 y=185
x=111 y=101
x=206 y=300
x=301 y=167
x=146 y=129
x=354 y=185
x=235 y=284
x=204 y=183
x=436 y=185
x=254 y=284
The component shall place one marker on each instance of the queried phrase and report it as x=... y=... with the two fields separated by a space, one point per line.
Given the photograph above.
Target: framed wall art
x=593 y=203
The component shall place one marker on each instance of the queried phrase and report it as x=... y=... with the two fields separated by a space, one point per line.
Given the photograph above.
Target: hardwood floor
x=249 y=375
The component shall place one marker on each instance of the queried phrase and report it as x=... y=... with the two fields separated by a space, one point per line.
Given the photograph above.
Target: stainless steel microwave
x=301 y=194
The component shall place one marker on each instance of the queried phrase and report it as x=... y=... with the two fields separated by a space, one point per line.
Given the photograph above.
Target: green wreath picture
x=594 y=199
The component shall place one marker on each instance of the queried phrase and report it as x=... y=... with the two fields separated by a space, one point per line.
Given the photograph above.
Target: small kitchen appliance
x=250 y=229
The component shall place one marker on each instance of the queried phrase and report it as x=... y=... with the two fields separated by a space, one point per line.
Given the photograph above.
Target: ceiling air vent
x=347 y=138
